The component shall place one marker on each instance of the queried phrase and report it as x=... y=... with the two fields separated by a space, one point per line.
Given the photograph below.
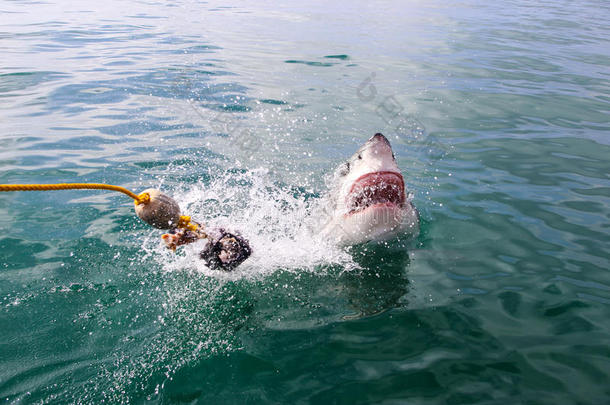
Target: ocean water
x=498 y=113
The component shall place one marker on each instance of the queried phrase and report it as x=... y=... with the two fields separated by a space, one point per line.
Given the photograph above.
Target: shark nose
x=379 y=137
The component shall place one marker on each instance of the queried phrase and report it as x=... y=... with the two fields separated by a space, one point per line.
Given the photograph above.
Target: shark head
x=369 y=197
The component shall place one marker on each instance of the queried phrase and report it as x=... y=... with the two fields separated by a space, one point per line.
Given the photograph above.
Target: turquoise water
x=499 y=118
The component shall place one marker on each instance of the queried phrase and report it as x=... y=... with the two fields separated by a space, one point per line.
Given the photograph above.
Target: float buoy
x=160 y=210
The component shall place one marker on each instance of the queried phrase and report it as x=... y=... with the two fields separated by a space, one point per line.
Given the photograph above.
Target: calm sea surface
x=499 y=115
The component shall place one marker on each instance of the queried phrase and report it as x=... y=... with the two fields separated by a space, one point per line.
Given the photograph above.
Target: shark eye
x=360 y=156
x=344 y=169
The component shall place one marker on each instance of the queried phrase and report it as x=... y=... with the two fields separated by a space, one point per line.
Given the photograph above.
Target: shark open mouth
x=376 y=189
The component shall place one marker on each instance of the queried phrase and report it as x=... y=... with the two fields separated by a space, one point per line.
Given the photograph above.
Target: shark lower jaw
x=377 y=191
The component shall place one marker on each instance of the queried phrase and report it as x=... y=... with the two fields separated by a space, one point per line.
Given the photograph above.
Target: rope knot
x=143 y=198
x=185 y=223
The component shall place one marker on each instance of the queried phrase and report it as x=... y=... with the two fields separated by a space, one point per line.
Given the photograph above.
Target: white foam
x=281 y=225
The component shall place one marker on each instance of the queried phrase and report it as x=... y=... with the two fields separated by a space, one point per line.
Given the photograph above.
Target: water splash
x=282 y=224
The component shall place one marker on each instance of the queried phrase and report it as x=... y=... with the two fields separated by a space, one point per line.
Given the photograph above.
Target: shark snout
x=379 y=148
x=378 y=137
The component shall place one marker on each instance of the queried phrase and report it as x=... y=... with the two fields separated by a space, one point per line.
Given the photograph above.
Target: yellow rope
x=185 y=221
x=138 y=199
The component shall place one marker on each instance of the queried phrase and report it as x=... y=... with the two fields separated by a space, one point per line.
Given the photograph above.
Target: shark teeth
x=374 y=189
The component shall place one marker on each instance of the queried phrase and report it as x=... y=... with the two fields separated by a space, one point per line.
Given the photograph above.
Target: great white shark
x=368 y=199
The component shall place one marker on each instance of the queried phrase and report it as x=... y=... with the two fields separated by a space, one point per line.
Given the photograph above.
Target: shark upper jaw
x=376 y=190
